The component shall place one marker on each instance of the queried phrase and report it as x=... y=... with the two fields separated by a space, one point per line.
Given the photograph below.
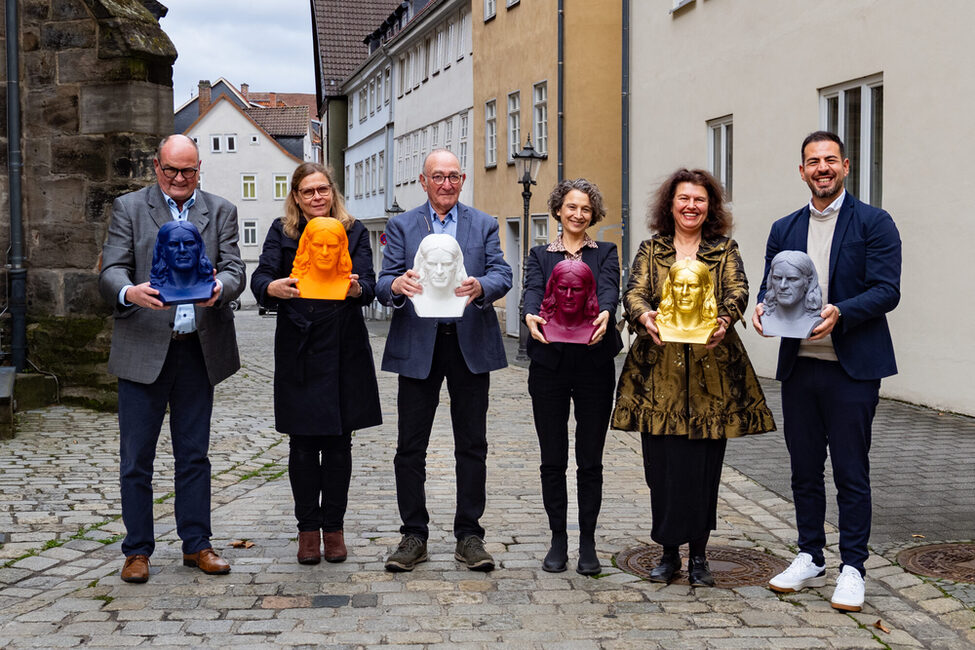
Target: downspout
x=625 y=144
x=561 y=99
x=15 y=166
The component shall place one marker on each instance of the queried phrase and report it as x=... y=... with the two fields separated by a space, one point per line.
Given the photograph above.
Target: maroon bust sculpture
x=570 y=304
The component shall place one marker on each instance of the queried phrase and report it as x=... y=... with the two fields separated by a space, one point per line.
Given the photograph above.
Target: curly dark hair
x=590 y=189
x=660 y=217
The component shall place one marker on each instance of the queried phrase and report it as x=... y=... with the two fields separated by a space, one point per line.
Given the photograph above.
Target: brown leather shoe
x=207 y=561
x=309 y=547
x=136 y=568
x=335 y=550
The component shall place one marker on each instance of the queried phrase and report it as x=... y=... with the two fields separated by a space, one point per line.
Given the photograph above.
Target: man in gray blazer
x=169 y=356
x=425 y=351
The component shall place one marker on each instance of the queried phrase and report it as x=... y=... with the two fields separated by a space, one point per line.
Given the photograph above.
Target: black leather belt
x=184 y=337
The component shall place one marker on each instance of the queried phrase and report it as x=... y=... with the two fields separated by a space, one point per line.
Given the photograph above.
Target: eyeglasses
x=310 y=192
x=438 y=179
x=172 y=172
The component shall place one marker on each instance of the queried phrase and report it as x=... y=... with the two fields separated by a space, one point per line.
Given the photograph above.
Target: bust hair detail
x=812 y=299
x=578 y=269
x=709 y=304
x=303 y=261
x=160 y=272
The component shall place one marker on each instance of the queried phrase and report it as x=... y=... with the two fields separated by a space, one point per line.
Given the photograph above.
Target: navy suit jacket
x=864 y=283
x=605 y=265
x=410 y=342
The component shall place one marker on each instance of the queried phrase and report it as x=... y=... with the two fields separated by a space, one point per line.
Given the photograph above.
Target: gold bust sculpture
x=688 y=309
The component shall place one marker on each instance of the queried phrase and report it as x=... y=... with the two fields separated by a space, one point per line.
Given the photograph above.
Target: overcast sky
x=264 y=43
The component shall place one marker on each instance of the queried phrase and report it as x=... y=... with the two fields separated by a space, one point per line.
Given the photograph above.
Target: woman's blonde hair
x=293 y=216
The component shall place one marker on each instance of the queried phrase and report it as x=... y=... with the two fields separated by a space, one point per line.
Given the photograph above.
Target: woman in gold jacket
x=687 y=399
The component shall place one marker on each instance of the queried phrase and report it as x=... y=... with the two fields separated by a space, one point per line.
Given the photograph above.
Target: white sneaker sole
x=844 y=607
x=817 y=581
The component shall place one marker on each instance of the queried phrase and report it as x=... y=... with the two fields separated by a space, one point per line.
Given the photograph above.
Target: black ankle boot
x=668 y=568
x=558 y=554
x=699 y=573
x=588 y=561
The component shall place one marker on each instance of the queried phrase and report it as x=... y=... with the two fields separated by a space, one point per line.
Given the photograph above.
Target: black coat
x=324 y=377
x=605 y=265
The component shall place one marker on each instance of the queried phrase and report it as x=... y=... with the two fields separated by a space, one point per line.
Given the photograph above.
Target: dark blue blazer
x=605 y=265
x=410 y=342
x=864 y=283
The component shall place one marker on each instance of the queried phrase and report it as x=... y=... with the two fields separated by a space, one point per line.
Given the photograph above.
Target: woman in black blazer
x=324 y=378
x=584 y=374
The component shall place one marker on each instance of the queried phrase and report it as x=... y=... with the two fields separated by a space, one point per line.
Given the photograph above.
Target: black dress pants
x=590 y=389
x=417 y=405
x=320 y=469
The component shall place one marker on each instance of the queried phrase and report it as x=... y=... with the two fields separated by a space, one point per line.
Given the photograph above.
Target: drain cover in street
x=952 y=561
x=731 y=567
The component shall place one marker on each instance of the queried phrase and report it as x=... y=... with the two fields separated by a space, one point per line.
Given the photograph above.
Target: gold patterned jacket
x=684 y=389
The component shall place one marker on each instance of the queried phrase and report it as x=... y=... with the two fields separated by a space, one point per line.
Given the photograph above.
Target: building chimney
x=274 y=99
x=204 y=96
x=243 y=90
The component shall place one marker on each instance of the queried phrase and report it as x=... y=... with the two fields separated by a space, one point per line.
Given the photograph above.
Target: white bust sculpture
x=440 y=263
x=793 y=299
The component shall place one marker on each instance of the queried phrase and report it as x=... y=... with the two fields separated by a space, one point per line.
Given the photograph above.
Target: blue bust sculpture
x=181 y=271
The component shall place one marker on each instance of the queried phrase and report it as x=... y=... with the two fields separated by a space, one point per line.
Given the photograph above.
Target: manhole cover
x=731 y=567
x=952 y=561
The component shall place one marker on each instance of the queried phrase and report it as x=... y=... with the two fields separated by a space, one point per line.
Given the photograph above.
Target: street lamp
x=528 y=161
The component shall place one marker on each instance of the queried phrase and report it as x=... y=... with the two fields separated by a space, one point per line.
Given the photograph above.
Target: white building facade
x=243 y=164
x=736 y=86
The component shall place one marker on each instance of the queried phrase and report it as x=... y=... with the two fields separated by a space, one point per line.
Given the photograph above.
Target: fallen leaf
x=241 y=543
x=916 y=536
x=880 y=626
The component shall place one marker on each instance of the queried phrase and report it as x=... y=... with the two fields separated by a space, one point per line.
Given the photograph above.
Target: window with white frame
x=379 y=91
x=417 y=161
x=250 y=233
x=215 y=144
x=539 y=230
x=540 y=114
x=490 y=9
x=424 y=139
x=398 y=169
x=514 y=124
x=438 y=50
x=372 y=97
x=855 y=111
x=367 y=176
x=459 y=54
x=448 y=133
x=358 y=180
x=451 y=42
x=720 y=152
x=255 y=139
x=375 y=174
x=417 y=66
x=231 y=139
x=434 y=136
x=462 y=145
x=387 y=80
x=280 y=187
x=401 y=77
x=363 y=103
x=490 y=133
x=381 y=172
x=512 y=3
x=248 y=186
x=427 y=57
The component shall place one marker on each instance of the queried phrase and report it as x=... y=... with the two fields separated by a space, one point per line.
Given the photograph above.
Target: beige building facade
x=735 y=86
x=517 y=92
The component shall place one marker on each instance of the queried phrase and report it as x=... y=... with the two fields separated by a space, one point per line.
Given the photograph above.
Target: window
x=465 y=32
x=417 y=68
x=720 y=150
x=372 y=97
x=539 y=230
x=379 y=91
x=363 y=103
x=855 y=112
x=415 y=169
x=490 y=133
x=250 y=233
x=462 y=148
x=386 y=82
x=434 y=136
x=381 y=172
x=400 y=77
x=255 y=139
x=375 y=174
x=427 y=57
x=512 y=3
x=438 y=51
x=215 y=144
x=280 y=187
x=490 y=9
x=451 y=38
x=197 y=140
x=423 y=147
x=448 y=133
x=358 y=180
x=346 y=179
x=514 y=124
x=231 y=142
x=248 y=186
x=540 y=98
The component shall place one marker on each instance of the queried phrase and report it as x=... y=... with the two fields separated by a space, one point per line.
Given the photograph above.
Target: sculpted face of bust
x=439 y=266
x=570 y=295
x=182 y=251
x=688 y=307
x=790 y=283
x=686 y=288
x=325 y=250
x=440 y=263
x=181 y=271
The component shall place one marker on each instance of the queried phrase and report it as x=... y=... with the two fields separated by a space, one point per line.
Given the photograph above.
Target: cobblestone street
x=60 y=532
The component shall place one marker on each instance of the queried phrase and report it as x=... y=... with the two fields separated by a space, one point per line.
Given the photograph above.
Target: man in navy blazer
x=425 y=351
x=831 y=381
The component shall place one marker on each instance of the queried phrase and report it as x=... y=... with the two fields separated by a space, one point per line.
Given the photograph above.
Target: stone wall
x=96 y=91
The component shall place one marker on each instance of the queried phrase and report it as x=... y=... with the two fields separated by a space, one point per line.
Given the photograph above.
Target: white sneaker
x=801 y=573
x=848 y=594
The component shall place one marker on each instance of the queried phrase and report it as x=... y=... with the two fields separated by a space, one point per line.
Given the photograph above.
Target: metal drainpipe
x=15 y=165
x=625 y=144
x=561 y=102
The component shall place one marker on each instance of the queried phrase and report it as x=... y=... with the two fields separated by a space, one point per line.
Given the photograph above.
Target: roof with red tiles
x=281 y=120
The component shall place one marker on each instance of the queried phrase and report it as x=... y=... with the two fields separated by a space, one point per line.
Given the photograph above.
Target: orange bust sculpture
x=322 y=263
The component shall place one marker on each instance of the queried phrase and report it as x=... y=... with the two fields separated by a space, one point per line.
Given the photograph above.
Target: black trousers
x=590 y=389
x=417 y=405
x=320 y=469
x=823 y=407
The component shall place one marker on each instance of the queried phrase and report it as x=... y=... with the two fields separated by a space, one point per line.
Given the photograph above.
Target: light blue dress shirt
x=449 y=224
